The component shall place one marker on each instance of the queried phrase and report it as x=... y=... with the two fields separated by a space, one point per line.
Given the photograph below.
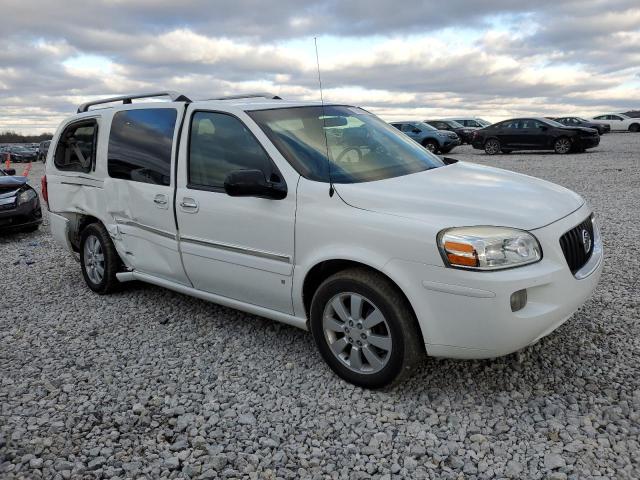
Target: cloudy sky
x=489 y=58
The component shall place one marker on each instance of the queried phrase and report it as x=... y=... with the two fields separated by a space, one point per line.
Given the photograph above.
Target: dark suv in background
x=534 y=134
x=465 y=133
x=434 y=140
x=581 y=122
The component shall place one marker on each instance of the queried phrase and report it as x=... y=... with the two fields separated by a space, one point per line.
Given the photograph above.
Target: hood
x=464 y=194
x=579 y=129
x=11 y=181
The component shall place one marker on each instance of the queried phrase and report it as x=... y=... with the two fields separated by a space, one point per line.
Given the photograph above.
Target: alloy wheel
x=357 y=333
x=492 y=146
x=563 y=145
x=94 y=259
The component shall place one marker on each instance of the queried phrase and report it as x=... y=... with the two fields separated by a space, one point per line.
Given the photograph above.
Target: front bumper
x=450 y=143
x=466 y=314
x=589 y=142
x=23 y=216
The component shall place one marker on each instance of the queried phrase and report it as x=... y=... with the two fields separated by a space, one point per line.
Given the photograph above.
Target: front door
x=237 y=247
x=140 y=185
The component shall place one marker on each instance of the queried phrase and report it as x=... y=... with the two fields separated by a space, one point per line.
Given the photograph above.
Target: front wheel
x=365 y=329
x=99 y=259
x=431 y=145
x=562 y=145
x=634 y=127
x=492 y=146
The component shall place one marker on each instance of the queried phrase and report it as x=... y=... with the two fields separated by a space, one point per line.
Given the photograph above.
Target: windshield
x=360 y=146
x=483 y=122
x=583 y=120
x=424 y=126
x=454 y=124
x=553 y=123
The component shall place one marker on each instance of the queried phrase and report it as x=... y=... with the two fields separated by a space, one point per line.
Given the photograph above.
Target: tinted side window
x=76 y=149
x=219 y=144
x=397 y=125
x=140 y=145
x=615 y=117
x=407 y=127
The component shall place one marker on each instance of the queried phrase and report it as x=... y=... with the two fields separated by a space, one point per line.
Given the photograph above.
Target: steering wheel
x=348 y=150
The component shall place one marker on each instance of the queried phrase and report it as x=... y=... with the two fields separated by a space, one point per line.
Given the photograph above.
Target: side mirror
x=9 y=171
x=252 y=183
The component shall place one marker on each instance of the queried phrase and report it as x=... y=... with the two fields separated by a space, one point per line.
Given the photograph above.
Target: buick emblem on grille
x=586 y=241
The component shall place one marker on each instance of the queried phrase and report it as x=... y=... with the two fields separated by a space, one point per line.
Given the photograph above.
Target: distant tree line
x=13 y=137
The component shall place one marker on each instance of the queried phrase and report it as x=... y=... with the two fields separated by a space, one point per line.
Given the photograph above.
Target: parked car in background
x=632 y=113
x=534 y=134
x=434 y=140
x=20 y=153
x=465 y=133
x=581 y=122
x=618 y=121
x=43 y=148
x=19 y=203
x=412 y=255
x=473 y=122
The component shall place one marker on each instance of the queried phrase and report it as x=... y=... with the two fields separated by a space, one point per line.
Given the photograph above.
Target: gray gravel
x=148 y=383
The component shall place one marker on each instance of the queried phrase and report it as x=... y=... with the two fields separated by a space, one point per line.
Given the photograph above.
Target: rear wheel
x=562 y=145
x=99 y=259
x=634 y=127
x=492 y=146
x=431 y=145
x=365 y=329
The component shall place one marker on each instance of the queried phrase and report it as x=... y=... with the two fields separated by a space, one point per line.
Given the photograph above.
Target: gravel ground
x=148 y=383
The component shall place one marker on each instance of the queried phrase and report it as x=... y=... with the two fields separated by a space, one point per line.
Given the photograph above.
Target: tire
x=634 y=127
x=101 y=254
x=492 y=146
x=562 y=145
x=431 y=145
x=398 y=343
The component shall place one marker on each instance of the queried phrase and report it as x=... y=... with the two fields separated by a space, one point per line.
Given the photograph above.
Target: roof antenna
x=324 y=119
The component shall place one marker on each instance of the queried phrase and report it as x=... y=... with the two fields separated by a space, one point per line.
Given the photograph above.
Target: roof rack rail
x=126 y=99
x=249 y=95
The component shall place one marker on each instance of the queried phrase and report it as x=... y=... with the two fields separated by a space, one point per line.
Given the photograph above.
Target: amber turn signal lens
x=458 y=247
x=460 y=260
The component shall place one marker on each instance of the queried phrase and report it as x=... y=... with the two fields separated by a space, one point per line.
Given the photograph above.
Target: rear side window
x=140 y=145
x=76 y=149
x=219 y=144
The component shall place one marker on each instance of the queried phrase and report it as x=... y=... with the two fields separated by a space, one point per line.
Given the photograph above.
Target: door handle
x=189 y=204
x=161 y=200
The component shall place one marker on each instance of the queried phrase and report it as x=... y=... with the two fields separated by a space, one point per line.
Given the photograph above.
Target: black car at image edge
x=19 y=204
x=534 y=134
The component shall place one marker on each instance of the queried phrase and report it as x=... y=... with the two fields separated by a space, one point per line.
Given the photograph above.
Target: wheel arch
x=325 y=268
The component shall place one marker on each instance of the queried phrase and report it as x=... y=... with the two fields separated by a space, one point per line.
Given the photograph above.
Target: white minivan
x=323 y=217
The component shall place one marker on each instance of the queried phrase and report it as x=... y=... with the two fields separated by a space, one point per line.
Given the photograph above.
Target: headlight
x=488 y=248
x=26 y=196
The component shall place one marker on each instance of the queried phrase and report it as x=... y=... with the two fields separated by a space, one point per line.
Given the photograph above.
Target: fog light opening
x=518 y=300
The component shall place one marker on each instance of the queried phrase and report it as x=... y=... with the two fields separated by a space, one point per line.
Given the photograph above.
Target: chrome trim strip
x=457 y=290
x=141 y=226
x=236 y=249
x=80 y=184
x=596 y=256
